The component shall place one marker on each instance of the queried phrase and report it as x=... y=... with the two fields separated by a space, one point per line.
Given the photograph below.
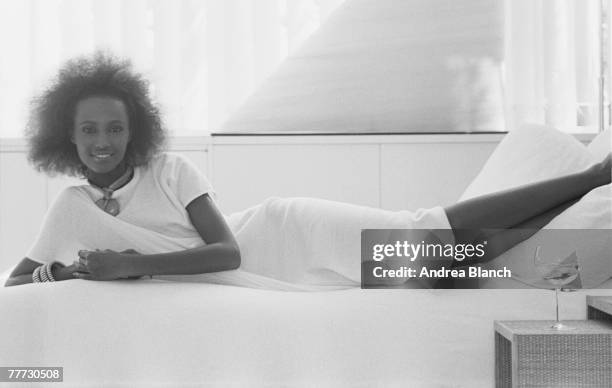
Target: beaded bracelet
x=36 y=275
x=48 y=270
x=44 y=273
x=50 y=267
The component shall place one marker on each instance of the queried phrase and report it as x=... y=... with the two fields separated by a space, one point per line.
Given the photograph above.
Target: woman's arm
x=221 y=252
x=22 y=274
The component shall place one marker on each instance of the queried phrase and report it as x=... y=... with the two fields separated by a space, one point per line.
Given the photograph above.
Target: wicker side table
x=599 y=307
x=528 y=354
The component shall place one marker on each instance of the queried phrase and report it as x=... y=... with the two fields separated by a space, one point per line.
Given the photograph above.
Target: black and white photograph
x=306 y=193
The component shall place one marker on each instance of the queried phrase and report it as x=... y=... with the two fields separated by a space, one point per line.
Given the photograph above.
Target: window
x=554 y=62
x=440 y=66
x=508 y=61
x=202 y=56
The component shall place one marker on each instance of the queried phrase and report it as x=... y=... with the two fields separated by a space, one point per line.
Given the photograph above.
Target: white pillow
x=535 y=153
x=529 y=154
x=601 y=145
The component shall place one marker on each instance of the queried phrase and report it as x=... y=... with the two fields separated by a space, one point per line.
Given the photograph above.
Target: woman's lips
x=100 y=157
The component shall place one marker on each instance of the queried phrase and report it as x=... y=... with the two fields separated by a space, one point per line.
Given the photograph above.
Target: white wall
x=393 y=172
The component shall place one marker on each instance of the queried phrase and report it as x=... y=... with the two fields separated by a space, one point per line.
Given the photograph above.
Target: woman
x=149 y=213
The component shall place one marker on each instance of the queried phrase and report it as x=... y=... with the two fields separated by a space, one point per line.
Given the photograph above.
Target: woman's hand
x=102 y=265
x=69 y=272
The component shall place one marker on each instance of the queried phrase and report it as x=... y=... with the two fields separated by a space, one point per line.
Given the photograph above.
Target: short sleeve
x=55 y=230
x=188 y=180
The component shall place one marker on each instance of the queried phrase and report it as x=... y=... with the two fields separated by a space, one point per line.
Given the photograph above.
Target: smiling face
x=101 y=134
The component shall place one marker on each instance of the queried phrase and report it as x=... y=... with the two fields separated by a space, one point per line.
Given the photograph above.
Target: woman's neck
x=106 y=179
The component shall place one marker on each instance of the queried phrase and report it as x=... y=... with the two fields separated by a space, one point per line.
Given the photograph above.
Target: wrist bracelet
x=48 y=270
x=43 y=273
x=36 y=275
x=50 y=267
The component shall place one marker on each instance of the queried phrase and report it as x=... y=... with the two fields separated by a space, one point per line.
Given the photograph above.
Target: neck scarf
x=107 y=203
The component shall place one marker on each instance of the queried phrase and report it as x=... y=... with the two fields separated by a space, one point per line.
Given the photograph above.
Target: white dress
x=286 y=243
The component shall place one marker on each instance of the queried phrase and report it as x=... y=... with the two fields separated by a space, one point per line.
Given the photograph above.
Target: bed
x=166 y=333
x=159 y=333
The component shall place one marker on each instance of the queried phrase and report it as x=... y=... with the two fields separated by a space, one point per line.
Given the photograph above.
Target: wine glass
x=558 y=273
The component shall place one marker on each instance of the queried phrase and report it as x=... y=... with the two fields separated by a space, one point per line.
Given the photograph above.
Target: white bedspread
x=134 y=333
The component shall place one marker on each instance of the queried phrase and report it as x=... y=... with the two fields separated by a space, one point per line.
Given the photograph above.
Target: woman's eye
x=88 y=129
x=116 y=129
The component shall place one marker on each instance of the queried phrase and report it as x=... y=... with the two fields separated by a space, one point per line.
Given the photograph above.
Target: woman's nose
x=102 y=142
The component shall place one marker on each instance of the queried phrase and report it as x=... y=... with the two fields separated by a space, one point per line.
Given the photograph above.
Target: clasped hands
x=102 y=264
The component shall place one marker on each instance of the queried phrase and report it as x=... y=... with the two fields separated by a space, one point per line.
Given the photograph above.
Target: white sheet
x=174 y=334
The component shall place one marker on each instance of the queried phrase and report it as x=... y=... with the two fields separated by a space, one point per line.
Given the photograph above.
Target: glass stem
x=557 y=303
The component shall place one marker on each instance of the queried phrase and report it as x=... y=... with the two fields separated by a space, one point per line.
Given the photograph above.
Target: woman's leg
x=499 y=241
x=509 y=208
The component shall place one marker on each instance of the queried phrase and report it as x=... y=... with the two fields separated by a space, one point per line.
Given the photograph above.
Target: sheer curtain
x=204 y=57
x=552 y=52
